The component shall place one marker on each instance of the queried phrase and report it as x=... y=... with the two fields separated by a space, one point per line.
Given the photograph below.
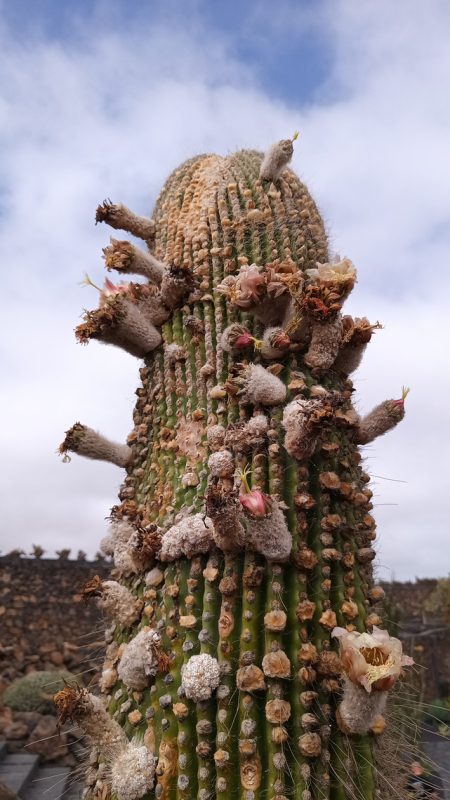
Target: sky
x=103 y=100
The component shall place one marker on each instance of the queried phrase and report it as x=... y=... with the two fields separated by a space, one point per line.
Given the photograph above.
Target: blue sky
x=287 y=50
x=99 y=101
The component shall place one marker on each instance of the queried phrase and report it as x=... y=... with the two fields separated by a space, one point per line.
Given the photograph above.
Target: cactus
x=34 y=692
x=244 y=652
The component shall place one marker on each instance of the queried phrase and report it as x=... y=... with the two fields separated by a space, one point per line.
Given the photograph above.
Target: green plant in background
x=439 y=600
x=438 y=711
x=244 y=657
x=35 y=691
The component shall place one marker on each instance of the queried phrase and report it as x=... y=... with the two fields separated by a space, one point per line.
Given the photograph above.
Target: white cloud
x=111 y=115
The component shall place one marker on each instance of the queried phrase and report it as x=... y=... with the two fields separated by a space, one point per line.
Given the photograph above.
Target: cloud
x=110 y=113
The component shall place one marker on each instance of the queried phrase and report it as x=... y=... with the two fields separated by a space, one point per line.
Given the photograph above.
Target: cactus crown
x=243 y=539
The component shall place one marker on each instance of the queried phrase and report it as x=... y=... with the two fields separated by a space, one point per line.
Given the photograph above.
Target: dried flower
x=245 y=288
x=374 y=660
x=252 y=285
x=381 y=419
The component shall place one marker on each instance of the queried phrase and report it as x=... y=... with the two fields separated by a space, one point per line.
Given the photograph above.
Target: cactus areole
x=245 y=657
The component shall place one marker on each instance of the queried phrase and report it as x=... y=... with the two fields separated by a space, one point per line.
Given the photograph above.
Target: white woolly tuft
x=107 y=545
x=326 y=340
x=133 y=773
x=269 y=535
x=380 y=420
x=118 y=603
x=257 y=426
x=248 y=436
x=276 y=159
x=299 y=440
x=175 y=352
x=221 y=464
x=139 y=660
x=262 y=388
x=121 y=531
x=216 y=436
x=269 y=350
x=189 y=537
x=103 y=731
x=90 y=444
x=359 y=710
x=200 y=677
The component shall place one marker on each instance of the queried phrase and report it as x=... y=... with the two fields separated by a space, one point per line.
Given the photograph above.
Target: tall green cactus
x=237 y=663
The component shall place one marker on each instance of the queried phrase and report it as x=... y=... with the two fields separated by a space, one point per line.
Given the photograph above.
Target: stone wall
x=43 y=621
x=425 y=635
x=44 y=624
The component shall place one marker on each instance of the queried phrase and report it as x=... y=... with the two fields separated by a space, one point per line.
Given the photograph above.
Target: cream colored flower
x=374 y=660
x=338 y=272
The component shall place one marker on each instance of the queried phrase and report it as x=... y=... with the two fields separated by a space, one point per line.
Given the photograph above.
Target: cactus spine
x=252 y=533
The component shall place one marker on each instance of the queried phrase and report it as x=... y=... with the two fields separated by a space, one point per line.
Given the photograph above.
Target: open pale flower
x=250 y=281
x=339 y=272
x=110 y=289
x=374 y=660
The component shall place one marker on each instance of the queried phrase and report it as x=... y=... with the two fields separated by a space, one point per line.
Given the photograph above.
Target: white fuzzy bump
x=216 y=436
x=269 y=535
x=221 y=464
x=359 y=710
x=189 y=537
x=200 y=677
x=133 y=773
x=276 y=159
x=118 y=603
x=139 y=660
x=263 y=388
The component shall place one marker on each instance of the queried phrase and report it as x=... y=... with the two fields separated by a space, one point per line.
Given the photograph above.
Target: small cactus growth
x=244 y=655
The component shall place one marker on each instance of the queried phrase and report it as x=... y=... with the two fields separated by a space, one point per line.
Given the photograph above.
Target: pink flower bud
x=401 y=401
x=243 y=340
x=281 y=340
x=256 y=503
x=114 y=288
x=110 y=289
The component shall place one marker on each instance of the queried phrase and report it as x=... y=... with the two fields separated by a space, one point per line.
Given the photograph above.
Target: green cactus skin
x=214 y=215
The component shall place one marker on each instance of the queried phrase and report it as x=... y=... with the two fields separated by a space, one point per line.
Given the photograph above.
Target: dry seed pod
x=276 y=665
x=278 y=711
x=310 y=744
x=381 y=419
x=275 y=621
x=120 y=217
x=125 y=257
x=276 y=159
x=250 y=679
x=86 y=442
